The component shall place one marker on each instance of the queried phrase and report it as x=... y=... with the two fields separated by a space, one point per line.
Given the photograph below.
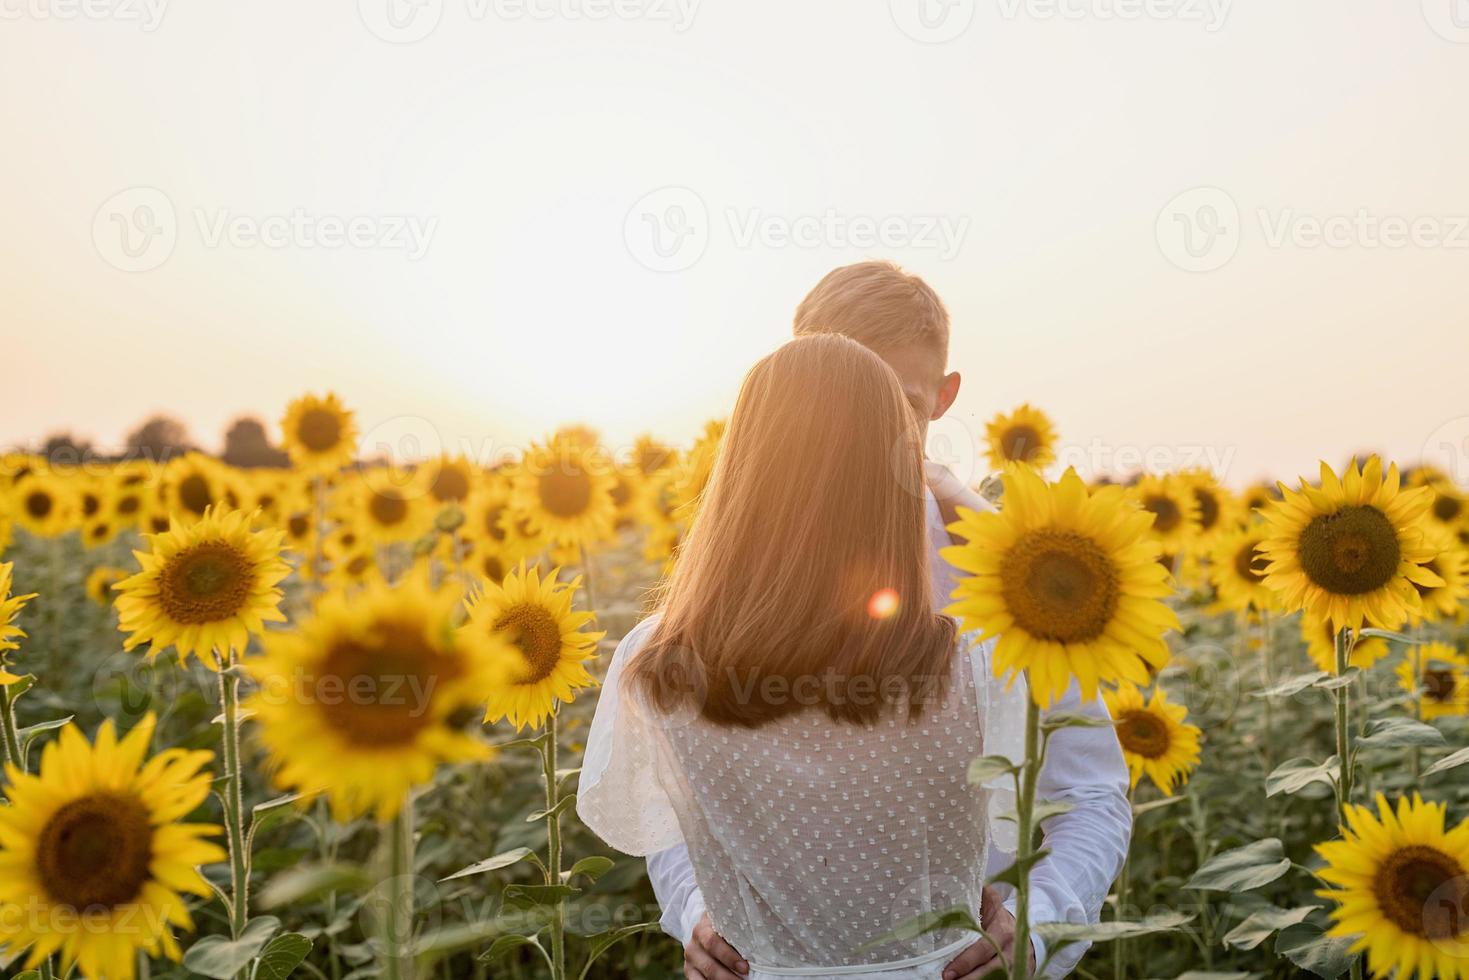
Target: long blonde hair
x=808 y=556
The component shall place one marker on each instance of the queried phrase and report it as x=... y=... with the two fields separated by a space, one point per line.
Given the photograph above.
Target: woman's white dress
x=810 y=839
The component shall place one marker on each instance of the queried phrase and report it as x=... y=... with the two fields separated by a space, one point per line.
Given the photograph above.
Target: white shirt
x=1087 y=845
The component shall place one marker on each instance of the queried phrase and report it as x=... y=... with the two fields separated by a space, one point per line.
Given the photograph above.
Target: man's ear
x=948 y=391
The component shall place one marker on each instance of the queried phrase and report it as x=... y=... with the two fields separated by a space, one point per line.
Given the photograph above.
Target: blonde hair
x=810 y=513
x=877 y=304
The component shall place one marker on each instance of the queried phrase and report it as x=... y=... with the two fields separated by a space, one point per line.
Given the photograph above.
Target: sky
x=1192 y=231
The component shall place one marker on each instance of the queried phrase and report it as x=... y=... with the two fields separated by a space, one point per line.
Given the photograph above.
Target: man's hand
x=708 y=957
x=981 y=958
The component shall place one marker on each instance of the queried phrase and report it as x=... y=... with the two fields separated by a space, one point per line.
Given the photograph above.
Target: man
x=900 y=318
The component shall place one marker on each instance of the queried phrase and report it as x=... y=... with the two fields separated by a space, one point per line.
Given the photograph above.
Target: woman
x=796 y=712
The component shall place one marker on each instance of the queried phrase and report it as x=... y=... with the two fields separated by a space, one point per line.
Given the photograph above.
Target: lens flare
x=883 y=604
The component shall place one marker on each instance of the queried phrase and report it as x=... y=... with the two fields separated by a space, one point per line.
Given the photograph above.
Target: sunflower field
x=326 y=721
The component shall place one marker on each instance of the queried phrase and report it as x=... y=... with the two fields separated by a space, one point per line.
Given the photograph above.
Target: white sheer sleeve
x=621 y=797
x=1004 y=734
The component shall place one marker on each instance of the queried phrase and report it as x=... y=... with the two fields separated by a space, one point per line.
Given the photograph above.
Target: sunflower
x=1218 y=509
x=96 y=838
x=1024 y=436
x=1258 y=497
x=1156 y=741
x=1237 y=569
x=319 y=433
x=1320 y=637
x=688 y=480
x=363 y=700
x=42 y=504
x=100 y=581
x=1401 y=884
x=385 y=504
x=566 y=489
x=650 y=456
x=192 y=484
x=1442 y=681
x=1069 y=581
x=204 y=587
x=448 y=479
x=10 y=607
x=1174 y=507
x=1351 y=550
x=1450 y=509
x=552 y=647
x=1451 y=565
x=7 y=526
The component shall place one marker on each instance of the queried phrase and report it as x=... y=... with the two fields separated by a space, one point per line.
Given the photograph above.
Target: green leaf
x=1310 y=949
x=505 y=944
x=535 y=742
x=312 y=881
x=281 y=956
x=1138 y=809
x=1011 y=875
x=1262 y=923
x=1388 y=635
x=1242 y=868
x=29 y=975
x=1045 y=809
x=1058 y=934
x=30 y=733
x=603 y=941
x=988 y=767
x=1213 y=975
x=1400 y=733
x=503 y=860
x=1291 y=685
x=590 y=868
x=1334 y=681
x=957 y=917
x=1295 y=775
x=562 y=805
x=1056 y=720
x=222 y=958
x=1448 y=762
x=529 y=896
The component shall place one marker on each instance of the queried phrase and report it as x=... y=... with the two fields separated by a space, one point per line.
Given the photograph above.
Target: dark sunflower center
x=194 y=493
x=95 y=851
x=1438 y=684
x=378 y=691
x=1059 y=586
x=1352 y=551
x=39 y=504
x=450 y=483
x=100 y=531
x=1422 y=891
x=493 y=568
x=205 y=583
x=535 y=631
x=1143 y=733
x=1166 y=513
x=358 y=565
x=388 y=507
x=91 y=503
x=1020 y=442
x=652 y=459
x=319 y=430
x=492 y=522
x=298 y=525
x=1208 y=507
x=1249 y=563
x=128 y=505
x=621 y=492
x=1447 y=509
x=566 y=490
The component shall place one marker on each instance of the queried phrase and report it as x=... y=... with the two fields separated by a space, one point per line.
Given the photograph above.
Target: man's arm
x=706 y=955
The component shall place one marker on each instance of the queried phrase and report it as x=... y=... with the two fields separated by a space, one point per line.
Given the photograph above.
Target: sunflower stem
x=1342 y=694
x=1415 y=653
x=586 y=573
x=234 y=796
x=12 y=737
x=553 y=850
x=1025 y=846
x=399 y=925
x=1119 y=947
